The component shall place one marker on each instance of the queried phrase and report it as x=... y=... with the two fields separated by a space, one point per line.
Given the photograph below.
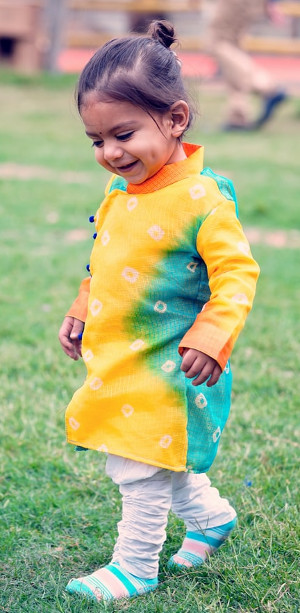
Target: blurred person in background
x=243 y=76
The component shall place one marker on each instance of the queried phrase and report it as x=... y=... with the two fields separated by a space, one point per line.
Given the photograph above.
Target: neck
x=178 y=154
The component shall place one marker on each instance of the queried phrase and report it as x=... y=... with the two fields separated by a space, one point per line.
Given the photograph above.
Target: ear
x=179 y=112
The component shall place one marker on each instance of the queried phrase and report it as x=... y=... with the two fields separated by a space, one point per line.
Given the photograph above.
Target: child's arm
x=232 y=274
x=71 y=330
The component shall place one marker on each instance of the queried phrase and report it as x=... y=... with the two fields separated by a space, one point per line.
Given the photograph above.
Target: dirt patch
x=281 y=239
x=9 y=170
x=75 y=236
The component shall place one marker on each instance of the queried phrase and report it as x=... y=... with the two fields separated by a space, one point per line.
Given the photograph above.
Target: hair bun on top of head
x=163 y=32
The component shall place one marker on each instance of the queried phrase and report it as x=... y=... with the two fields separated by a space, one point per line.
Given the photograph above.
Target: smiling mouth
x=126 y=167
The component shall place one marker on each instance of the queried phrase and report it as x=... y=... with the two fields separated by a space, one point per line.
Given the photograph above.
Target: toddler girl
x=172 y=281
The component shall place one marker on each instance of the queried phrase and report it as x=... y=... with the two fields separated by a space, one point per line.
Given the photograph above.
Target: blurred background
x=60 y=35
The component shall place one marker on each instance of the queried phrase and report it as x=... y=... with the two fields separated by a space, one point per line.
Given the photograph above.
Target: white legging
x=148 y=493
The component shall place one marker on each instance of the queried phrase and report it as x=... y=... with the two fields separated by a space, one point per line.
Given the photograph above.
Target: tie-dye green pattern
x=166 y=310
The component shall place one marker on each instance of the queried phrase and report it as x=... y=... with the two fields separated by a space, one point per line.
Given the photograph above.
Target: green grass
x=58 y=510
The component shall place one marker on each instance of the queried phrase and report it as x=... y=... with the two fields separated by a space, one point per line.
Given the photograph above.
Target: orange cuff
x=209 y=339
x=79 y=307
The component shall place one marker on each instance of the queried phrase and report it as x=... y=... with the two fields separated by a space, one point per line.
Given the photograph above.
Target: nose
x=112 y=151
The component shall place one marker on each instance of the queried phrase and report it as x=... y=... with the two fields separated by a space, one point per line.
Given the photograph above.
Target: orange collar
x=170 y=173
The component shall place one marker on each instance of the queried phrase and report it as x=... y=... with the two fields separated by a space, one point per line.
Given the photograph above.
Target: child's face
x=128 y=141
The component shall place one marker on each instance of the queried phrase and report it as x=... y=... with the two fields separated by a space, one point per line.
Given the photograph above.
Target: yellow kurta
x=170 y=268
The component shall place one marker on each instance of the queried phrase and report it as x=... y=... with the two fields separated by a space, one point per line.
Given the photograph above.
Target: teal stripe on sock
x=204 y=538
x=213 y=536
x=77 y=587
x=106 y=593
x=123 y=578
x=225 y=527
x=193 y=558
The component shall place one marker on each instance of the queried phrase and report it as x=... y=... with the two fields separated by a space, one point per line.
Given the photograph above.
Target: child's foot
x=110 y=583
x=198 y=545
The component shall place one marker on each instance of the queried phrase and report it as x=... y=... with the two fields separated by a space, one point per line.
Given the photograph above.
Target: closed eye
x=124 y=137
x=97 y=143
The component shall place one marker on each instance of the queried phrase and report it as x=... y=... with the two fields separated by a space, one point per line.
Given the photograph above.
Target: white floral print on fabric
x=156 y=232
x=243 y=248
x=130 y=274
x=201 y=401
x=96 y=307
x=132 y=203
x=168 y=366
x=165 y=441
x=197 y=191
x=88 y=355
x=96 y=383
x=103 y=448
x=105 y=238
x=192 y=266
x=136 y=345
x=240 y=299
x=74 y=423
x=127 y=410
x=160 y=306
x=217 y=434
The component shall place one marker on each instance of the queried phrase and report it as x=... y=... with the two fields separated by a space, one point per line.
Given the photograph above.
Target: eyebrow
x=92 y=135
x=119 y=126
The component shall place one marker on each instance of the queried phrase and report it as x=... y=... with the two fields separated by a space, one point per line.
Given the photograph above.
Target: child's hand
x=70 y=335
x=202 y=366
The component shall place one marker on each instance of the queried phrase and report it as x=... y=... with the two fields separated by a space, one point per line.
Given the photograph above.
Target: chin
x=136 y=180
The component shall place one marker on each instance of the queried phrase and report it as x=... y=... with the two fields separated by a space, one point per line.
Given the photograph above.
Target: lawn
x=58 y=509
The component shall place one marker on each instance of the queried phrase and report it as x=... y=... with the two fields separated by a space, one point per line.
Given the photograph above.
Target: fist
x=201 y=366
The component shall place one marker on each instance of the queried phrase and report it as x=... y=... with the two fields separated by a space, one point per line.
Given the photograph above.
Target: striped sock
x=198 y=545
x=110 y=583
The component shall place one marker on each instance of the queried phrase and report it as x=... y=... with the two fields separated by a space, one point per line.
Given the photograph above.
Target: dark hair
x=141 y=70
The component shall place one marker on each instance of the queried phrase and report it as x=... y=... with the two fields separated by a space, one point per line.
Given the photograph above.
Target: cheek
x=155 y=154
x=99 y=155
